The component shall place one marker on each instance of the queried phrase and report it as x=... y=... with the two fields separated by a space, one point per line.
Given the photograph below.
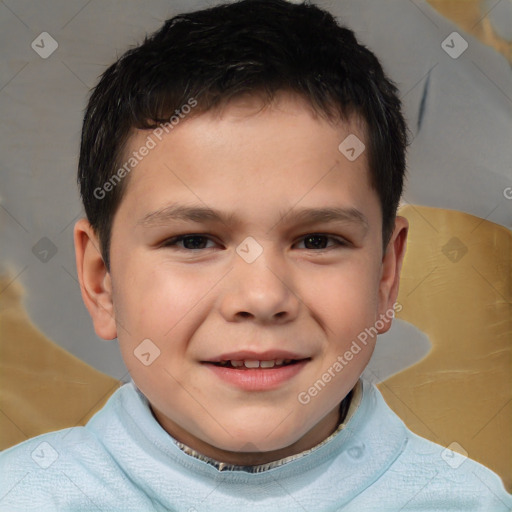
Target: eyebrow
x=327 y=215
x=177 y=212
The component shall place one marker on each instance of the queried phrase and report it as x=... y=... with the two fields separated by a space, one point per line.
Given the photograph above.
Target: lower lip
x=258 y=379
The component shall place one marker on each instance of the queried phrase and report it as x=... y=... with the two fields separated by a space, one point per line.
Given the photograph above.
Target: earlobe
x=391 y=267
x=95 y=281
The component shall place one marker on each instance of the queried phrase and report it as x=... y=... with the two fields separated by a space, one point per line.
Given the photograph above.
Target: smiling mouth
x=249 y=374
x=248 y=364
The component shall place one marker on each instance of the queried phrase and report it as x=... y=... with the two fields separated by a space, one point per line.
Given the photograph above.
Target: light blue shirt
x=123 y=460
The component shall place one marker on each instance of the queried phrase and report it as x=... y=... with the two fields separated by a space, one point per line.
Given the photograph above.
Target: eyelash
x=172 y=242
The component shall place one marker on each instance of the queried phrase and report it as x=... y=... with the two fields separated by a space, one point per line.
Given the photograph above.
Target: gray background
x=460 y=157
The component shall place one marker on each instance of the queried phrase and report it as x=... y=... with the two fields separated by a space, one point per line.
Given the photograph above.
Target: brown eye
x=189 y=242
x=319 y=241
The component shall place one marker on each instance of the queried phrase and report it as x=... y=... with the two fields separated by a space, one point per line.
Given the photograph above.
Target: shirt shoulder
x=68 y=469
x=428 y=476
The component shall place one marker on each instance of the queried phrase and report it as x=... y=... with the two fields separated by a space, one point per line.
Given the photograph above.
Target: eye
x=190 y=242
x=193 y=242
x=318 y=241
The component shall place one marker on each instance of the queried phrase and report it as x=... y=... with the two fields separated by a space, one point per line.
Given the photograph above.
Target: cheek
x=160 y=305
x=345 y=298
x=156 y=301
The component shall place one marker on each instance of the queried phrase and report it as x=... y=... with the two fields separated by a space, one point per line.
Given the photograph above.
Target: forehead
x=246 y=155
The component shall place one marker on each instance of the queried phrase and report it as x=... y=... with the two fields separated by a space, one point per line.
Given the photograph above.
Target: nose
x=261 y=291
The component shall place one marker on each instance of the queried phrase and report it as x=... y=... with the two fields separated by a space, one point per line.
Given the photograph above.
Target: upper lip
x=248 y=355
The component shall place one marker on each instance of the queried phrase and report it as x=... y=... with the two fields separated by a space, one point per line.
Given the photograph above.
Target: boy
x=240 y=172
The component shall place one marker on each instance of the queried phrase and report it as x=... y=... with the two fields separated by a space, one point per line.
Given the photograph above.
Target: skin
x=195 y=304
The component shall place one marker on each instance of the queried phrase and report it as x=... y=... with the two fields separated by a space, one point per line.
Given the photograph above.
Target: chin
x=254 y=440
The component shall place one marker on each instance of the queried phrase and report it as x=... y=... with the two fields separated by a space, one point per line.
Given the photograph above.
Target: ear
x=391 y=267
x=95 y=281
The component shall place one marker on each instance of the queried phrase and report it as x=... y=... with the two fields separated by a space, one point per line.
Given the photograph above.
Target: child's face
x=303 y=298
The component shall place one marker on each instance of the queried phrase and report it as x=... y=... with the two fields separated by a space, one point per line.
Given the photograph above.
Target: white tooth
x=252 y=364
x=237 y=364
x=279 y=361
x=267 y=364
